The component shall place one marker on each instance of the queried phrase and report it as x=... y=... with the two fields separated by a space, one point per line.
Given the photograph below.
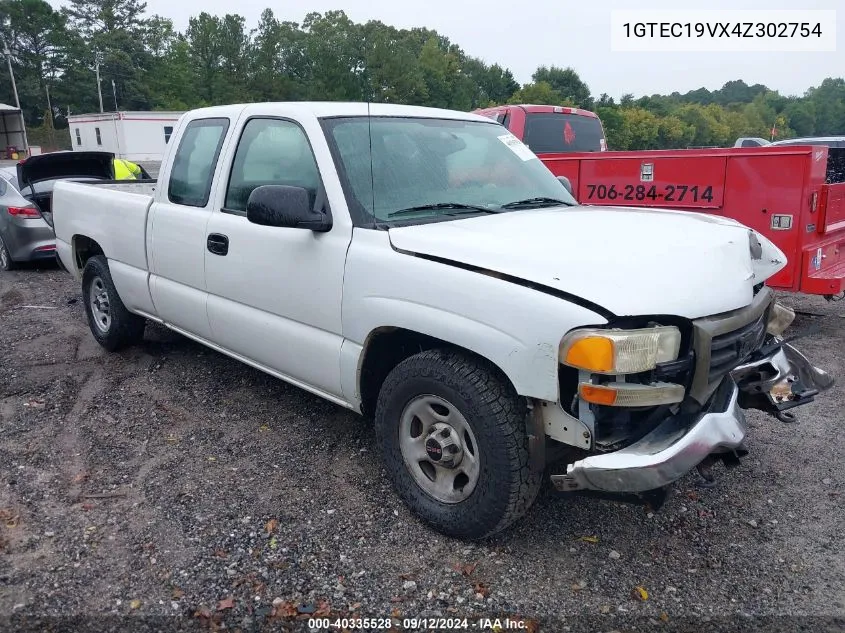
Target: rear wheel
x=453 y=436
x=111 y=323
x=6 y=262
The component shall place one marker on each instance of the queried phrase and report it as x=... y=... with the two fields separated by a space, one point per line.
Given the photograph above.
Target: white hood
x=629 y=261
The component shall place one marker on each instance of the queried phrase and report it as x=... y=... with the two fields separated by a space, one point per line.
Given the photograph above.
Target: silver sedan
x=25 y=233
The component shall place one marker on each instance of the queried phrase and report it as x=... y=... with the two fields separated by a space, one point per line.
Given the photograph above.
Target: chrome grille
x=723 y=341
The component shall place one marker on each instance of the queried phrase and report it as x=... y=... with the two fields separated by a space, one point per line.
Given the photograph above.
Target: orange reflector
x=598 y=394
x=593 y=353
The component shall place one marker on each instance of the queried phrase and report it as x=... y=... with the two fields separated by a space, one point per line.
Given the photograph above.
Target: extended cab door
x=275 y=293
x=177 y=226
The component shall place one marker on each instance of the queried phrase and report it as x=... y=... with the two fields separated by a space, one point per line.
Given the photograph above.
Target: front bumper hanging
x=783 y=378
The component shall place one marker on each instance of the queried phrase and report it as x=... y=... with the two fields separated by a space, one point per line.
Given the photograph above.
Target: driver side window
x=270 y=152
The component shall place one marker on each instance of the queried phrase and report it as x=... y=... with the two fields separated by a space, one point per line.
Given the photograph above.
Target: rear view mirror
x=565 y=182
x=285 y=206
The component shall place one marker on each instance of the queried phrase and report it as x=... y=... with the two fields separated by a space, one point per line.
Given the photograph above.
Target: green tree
x=802 y=117
x=617 y=135
x=539 y=93
x=392 y=66
x=220 y=59
x=113 y=33
x=37 y=38
x=641 y=127
x=567 y=83
x=829 y=103
x=673 y=133
x=332 y=63
x=170 y=80
x=203 y=36
x=439 y=69
x=273 y=49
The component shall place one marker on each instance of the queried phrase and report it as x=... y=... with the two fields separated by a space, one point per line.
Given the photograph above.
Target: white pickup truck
x=424 y=268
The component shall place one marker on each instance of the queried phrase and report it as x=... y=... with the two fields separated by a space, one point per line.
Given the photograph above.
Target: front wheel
x=453 y=436
x=111 y=323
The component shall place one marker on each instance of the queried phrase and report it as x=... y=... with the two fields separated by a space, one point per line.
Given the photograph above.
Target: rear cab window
x=554 y=132
x=195 y=160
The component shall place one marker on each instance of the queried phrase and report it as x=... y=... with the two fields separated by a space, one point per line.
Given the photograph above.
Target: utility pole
x=99 y=87
x=8 y=55
x=114 y=92
x=49 y=105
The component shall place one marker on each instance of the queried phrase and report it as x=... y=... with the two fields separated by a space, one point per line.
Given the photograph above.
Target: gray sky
x=524 y=35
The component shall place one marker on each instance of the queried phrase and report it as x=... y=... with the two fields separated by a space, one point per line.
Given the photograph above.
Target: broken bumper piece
x=781 y=378
x=667 y=453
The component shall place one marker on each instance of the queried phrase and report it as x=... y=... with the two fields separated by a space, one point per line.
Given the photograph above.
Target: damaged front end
x=778 y=379
x=649 y=426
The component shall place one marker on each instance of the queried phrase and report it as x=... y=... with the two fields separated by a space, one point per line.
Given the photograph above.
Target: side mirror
x=565 y=182
x=284 y=206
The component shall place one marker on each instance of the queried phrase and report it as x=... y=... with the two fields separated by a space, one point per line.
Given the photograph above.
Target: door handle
x=217 y=244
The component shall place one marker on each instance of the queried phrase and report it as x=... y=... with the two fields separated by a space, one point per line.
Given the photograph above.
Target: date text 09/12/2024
x=482 y=625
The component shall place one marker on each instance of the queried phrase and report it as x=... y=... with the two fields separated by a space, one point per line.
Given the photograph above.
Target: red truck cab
x=549 y=129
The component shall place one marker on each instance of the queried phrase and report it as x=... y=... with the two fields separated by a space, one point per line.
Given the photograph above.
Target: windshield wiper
x=464 y=208
x=536 y=202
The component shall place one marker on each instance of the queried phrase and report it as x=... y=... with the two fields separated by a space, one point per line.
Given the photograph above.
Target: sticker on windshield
x=517 y=146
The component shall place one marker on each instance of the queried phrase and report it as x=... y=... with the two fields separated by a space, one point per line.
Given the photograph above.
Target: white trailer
x=12 y=131
x=136 y=136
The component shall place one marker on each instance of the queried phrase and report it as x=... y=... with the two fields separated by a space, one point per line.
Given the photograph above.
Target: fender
x=517 y=328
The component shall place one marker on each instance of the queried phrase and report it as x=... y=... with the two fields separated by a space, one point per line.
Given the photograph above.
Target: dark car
x=26 y=218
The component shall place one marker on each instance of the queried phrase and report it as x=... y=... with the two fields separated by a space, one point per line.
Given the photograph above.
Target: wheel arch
x=84 y=248
x=387 y=346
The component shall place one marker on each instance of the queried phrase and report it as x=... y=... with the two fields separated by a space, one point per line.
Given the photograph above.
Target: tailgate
x=654 y=181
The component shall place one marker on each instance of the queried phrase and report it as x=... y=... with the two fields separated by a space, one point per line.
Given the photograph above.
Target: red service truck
x=794 y=195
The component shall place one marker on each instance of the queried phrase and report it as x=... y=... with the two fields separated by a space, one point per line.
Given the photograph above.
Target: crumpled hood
x=629 y=261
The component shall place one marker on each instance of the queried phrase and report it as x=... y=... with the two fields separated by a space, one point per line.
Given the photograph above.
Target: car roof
x=330 y=109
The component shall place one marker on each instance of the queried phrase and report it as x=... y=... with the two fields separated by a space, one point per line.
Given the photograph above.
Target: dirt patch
x=165 y=480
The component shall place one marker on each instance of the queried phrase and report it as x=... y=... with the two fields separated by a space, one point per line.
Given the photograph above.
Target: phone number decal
x=641 y=193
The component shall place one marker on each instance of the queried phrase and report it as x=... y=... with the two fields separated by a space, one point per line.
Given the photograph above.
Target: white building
x=136 y=136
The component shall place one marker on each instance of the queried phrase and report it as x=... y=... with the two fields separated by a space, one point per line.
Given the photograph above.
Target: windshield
x=551 y=132
x=434 y=168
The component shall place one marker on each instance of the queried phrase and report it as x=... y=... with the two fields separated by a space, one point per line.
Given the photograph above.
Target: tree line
x=144 y=63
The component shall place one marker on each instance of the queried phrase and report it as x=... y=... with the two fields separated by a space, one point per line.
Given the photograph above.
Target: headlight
x=620 y=351
x=623 y=394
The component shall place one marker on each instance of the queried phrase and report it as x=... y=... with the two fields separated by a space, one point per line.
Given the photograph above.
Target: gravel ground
x=169 y=480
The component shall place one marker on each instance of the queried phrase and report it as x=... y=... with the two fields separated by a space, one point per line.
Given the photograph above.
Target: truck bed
x=112 y=214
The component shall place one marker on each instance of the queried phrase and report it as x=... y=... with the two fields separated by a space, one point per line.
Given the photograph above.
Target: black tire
x=507 y=485
x=6 y=262
x=123 y=328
